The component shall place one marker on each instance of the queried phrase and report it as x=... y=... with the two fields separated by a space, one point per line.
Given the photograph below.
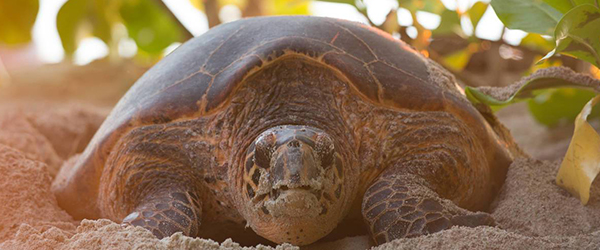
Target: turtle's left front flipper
x=401 y=204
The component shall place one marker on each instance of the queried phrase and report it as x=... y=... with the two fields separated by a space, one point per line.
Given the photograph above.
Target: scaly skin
x=396 y=159
x=168 y=212
x=400 y=205
x=438 y=159
x=187 y=126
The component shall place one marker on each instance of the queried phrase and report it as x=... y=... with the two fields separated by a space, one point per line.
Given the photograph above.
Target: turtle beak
x=296 y=166
x=296 y=184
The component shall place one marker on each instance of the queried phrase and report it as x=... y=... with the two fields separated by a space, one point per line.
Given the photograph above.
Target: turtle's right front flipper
x=153 y=178
x=169 y=211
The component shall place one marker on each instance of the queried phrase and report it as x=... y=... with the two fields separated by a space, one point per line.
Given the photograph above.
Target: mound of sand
x=532 y=212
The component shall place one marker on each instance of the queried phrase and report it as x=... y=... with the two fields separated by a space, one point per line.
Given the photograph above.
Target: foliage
x=476 y=12
x=582 y=161
x=151 y=28
x=574 y=24
x=576 y=28
x=555 y=100
x=16 y=20
x=528 y=15
x=74 y=15
x=551 y=99
x=149 y=24
x=578 y=34
x=564 y=84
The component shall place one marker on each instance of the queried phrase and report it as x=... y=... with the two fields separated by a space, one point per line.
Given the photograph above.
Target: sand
x=532 y=212
x=37 y=138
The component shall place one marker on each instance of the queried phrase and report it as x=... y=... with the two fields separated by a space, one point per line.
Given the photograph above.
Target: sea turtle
x=288 y=125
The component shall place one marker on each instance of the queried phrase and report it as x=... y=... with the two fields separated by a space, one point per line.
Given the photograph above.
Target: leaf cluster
x=148 y=22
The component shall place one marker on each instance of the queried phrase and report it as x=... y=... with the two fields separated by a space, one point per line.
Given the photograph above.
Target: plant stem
x=211 y=9
x=186 y=33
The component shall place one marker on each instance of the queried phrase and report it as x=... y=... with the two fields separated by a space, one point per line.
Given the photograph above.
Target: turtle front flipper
x=167 y=212
x=154 y=178
x=399 y=205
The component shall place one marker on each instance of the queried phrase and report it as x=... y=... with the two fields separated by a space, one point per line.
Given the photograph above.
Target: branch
x=253 y=8
x=186 y=33
x=211 y=9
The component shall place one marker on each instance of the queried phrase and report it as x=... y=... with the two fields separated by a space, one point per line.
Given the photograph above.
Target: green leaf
x=77 y=15
x=476 y=12
x=101 y=26
x=537 y=42
x=68 y=21
x=475 y=95
x=565 y=6
x=450 y=23
x=552 y=106
x=592 y=2
x=432 y=6
x=150 y=26
x=560 y=5
x=16 y=20
x=527 y=15
x=578 y=34
x=530 y=86
x=458 y=60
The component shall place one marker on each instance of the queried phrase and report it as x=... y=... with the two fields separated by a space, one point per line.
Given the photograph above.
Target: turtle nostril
x=294 y=144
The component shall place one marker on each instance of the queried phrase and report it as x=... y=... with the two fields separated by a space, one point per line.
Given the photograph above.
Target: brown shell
x=199 y=76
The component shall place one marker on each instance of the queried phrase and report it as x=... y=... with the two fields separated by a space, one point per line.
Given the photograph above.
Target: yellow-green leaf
x=582 y=161
x=288 y=7
x=578 y=34
x=560 y=5
x=68 y=21
x=101 y=25
x=150 y=26
x=431 y=6
x=458 y=60
x=76 y=15
x=199 y=4
x=592 y=2
x=537 y=42
x=550 y=107
x=476 y=12
x=16 y=20
x=450 y=23
x=565 y=6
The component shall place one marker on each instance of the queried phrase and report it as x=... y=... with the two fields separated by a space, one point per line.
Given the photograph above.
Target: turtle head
x=293 y=184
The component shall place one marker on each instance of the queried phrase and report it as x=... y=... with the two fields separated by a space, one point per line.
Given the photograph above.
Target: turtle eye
x=264 y=150
x=325 y=149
